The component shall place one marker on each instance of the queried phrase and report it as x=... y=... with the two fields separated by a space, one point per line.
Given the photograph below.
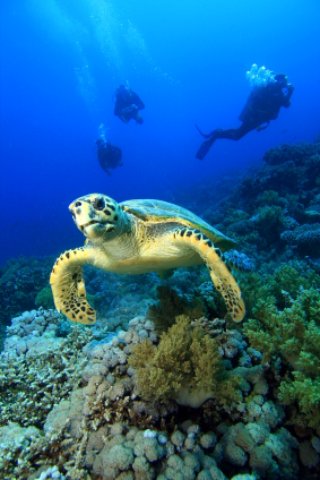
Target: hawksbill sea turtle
x=139 y=236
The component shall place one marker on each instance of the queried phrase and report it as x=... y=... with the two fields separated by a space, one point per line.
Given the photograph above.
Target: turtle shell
x=158 y=211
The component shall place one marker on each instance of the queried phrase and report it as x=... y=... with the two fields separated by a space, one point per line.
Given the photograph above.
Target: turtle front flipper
x=219 y=273
x=68 y=287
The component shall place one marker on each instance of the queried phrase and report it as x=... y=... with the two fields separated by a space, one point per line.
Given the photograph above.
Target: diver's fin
x=205 y=147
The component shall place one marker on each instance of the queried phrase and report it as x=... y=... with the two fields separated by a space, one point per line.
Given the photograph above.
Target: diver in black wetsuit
x=128 y=105
x=262 y=106
x=109 y=155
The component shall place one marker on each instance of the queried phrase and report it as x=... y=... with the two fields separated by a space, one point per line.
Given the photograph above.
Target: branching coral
x=279 y=289
x=30 y=384
x=23 y=450
x=186 y=366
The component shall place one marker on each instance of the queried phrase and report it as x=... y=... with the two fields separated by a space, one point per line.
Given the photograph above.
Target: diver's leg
x=231 y=134
x=235 y=133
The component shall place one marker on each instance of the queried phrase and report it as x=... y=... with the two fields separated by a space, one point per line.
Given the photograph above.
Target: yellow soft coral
x=185 y=366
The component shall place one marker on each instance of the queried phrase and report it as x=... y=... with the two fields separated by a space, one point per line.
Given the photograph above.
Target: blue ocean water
x=61 y=61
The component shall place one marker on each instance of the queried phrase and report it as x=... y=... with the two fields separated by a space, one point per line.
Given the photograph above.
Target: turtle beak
x=83 y=214
x=92 y=229
x=91 y=218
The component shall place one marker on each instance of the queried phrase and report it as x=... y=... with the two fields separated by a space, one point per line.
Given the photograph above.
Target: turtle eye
x=98 y=204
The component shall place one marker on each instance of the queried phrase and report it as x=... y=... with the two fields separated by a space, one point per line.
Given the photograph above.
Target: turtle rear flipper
x=221 y=277
x=68 y=287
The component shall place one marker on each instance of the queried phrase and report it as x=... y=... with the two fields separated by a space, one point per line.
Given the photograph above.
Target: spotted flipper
x=69 y=292
x=222 y=279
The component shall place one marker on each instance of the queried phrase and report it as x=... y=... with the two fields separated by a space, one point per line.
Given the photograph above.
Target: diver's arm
x=136 y=100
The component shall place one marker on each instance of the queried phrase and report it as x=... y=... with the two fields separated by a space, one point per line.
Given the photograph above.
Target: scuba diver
x=109 y=155
x=270 y=92
x=127 y=105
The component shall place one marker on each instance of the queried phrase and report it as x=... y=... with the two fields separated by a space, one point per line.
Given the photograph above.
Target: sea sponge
x=186 y=366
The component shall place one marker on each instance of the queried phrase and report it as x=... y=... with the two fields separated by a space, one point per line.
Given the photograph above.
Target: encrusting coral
x=185 y=366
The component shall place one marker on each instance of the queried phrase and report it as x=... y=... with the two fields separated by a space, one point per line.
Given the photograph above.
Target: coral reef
x=163 y=387
x=277 y=208
x=20 y=282
x=37 y=369
x=104 y=428
x=289 y=339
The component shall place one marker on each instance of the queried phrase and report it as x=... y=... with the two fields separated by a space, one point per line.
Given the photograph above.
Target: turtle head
x=98 y=216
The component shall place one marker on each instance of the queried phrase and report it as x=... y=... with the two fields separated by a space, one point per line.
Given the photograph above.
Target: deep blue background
x=61 y=61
